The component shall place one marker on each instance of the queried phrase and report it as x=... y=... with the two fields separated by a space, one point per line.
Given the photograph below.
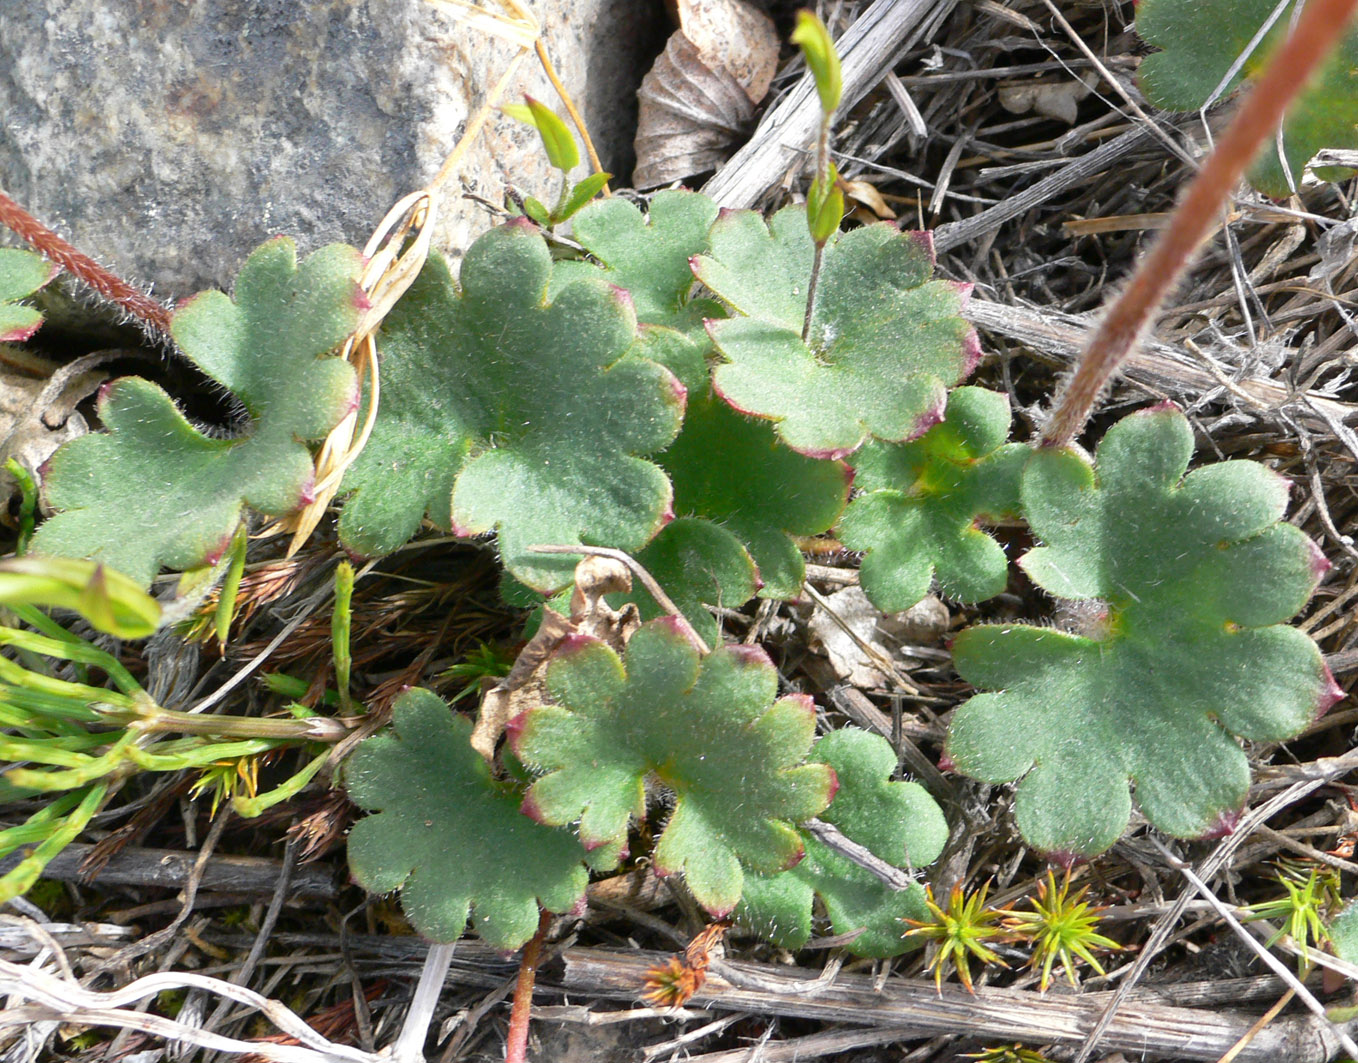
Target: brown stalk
x=154 y=315
x=516 y=1046
x=1317 y=31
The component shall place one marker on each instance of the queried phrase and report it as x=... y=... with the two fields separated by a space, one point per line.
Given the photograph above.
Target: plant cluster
x=79 y=742
x=698 y=388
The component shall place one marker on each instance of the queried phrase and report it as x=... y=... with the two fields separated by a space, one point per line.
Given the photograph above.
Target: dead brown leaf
x=523 y=688
x=699 y=97
x=1051 y=99
x=735 y=36
x=38 y=413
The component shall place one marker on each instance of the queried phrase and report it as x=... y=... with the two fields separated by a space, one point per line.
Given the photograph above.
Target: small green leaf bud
x=824 y=207
x=562 y=151
x=814 y=40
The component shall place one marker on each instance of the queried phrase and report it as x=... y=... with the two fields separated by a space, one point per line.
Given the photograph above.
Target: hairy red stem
x=152 y=314
x=516 y=1047
x=1317 y=31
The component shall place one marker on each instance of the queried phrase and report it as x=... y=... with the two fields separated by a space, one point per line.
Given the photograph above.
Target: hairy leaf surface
x=1195 y=577
x=884 y=345
x=542 y=398
x=917 y=519
x=897 y=821
x=707 y=728
x=21 y=274
x=154 y=490
x=735 y=471
x=450 y=837
x=700 y=565
x=729 y=469
x=648 y=254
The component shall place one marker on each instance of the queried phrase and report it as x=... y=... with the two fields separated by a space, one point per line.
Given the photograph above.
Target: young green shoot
x=824 y=200
x=1303 y=908
x=109 y=600
x=959 y=932
x=1060 y=927
x=225 y=779
x=226 y=597
x=1007 y=1054
x=28 y=503
x=340 y=625
x=484 y=661
x=564 y=155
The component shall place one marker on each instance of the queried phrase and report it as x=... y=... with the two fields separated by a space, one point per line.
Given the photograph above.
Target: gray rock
x=169 y=137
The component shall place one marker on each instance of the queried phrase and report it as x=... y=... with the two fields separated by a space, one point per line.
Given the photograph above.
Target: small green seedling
x=958 y=933
x=1060 y=926
x=1309 y=895
x=482 y=662
x=564 y=154
x=1007 y=1054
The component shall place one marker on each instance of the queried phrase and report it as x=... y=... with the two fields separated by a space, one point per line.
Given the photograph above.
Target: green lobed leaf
x=1201 y=41
x=21 y=274
x=917 y=519
x=735 y=471
x=1195 y=577
x=648 y=255
x=776 y=492
x=153 y=490
x=707 y=728
x=897 y=821
x=425 y=426
x=701 y=566
x=541 y=401
x=885 y=341
x=450 y=837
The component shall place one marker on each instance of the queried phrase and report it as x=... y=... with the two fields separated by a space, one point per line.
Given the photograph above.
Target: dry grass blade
x=519 y=28
x=395 y=254
x=1280 y=969
x=52 y=997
